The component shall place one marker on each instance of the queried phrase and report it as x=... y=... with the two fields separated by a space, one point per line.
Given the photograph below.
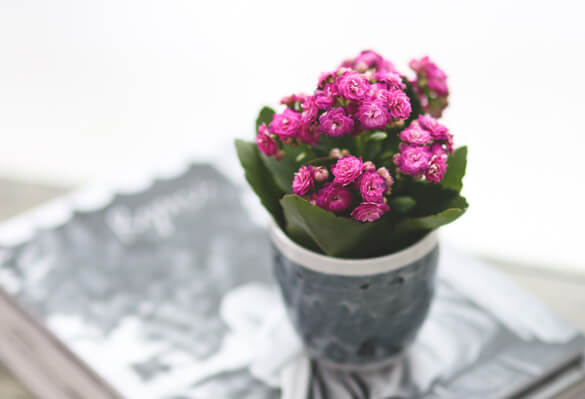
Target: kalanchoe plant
x=361 y=167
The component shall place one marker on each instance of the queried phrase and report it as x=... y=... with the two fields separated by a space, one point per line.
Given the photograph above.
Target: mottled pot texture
x=352 y=313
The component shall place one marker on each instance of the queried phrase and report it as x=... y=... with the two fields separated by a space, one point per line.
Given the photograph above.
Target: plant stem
x=360 y=144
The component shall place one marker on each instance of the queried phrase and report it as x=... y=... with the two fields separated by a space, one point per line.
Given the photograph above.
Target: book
x=165 y=291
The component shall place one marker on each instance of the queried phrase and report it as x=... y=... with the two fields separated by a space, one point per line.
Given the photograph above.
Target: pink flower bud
x=385 y=173
x=396 y=159
x=369 y=165
x=320 y=173
x=335 y=153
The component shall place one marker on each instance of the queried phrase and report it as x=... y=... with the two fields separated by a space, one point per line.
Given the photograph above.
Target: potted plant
x=358 y=176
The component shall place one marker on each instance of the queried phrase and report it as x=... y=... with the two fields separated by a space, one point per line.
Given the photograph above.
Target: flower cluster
x=430 y=85
x=364 y=139
x=424 y=149
x=362 y=94
x=350 y=186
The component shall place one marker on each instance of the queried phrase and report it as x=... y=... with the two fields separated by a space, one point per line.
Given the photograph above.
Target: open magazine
x=166 y=292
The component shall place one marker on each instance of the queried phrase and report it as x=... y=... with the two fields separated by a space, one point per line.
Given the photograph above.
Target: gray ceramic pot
x=352 y=313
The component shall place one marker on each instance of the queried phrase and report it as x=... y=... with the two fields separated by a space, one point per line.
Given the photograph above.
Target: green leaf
x=260 y=179
x=285 y=169
x=300 y=236
x=336 y=236
x=387 y=155
x=435 y=206
x=264 y=116
x=373 y=148
x=426 y=223
x=456 y=165
x=430 y=198
x=401 y=204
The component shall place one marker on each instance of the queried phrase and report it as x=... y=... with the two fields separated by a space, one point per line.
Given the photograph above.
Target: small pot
x=352 y=313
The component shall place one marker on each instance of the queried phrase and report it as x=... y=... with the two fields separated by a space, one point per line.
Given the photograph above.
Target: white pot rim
x=351 y=267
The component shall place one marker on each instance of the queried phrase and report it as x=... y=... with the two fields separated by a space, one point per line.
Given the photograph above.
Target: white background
x=93 y=89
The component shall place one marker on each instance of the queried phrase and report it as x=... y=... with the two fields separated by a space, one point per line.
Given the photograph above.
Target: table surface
x=562 y=291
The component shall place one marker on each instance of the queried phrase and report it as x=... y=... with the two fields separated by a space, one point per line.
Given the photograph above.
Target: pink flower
x=346 y=64
x=310 y=110
x=325 y=78
x=399 y=104
x=369 y=211
x=450 y=143
x=353 y=86
x=385 y=174
x=265 y=142
x=437 y=150
x=293 y=98
x=367 y=59
x=325 y=98
x=415 y=134
x=286 y=124
x=303 y=181
x=436 y=170
x=387 y=66
x=437 y=131
x=347 y=169
x=373 y=114
x=335 y=123
x=334 y=198
x=436 y=78
x=320 y=173
x=413 y=159
x=392 y=80
x=431 y=77
x=372 y=186
x=309 y=133
x=378 y=91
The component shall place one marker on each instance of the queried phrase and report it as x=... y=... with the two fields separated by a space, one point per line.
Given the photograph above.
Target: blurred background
x=90 y=90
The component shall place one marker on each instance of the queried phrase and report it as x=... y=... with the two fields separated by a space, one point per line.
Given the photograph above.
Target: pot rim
x=351 y=267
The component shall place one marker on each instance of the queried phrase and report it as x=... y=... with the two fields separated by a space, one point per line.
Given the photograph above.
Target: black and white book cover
x=166 y=292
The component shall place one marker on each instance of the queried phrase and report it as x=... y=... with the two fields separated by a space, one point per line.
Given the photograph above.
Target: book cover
x=166 y=292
